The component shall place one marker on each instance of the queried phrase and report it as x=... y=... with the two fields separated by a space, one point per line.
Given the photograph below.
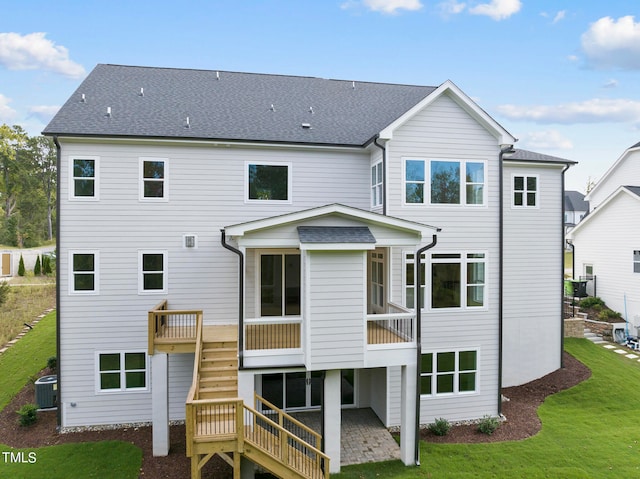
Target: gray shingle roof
x=634 y=189
x=155 y=102
x=526 y=155
x=574 y=201
x=335 y=234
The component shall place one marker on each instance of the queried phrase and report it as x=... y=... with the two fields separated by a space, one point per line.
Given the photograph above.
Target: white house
x=606 y=245
x=575 y=208
x=225 y=234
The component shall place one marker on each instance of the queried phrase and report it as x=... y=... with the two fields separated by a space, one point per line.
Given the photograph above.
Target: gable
x=625 y=170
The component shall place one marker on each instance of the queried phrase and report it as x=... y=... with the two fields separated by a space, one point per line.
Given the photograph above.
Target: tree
x=44 y=164
x=11 y=140
x=37 y=269
x=21 y=269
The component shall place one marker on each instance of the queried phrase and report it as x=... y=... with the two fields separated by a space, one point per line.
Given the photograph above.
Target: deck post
x=332 y=418
x=407 y=414
x=160 y=403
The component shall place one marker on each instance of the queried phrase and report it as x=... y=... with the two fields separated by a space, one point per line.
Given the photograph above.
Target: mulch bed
x=520 y=411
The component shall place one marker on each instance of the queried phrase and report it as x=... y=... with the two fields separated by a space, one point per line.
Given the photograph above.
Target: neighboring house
x=607 y=242
x=575 y=208
x=284 y=229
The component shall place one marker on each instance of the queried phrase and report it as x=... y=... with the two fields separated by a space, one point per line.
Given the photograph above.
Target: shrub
x=21 y=269
x=608 y=315
x=4 y=292
x=440 y=427
x=591 y=302
x=46 y=265
x=488 y=425
x=52 y=362
x=37 y=269
x=28 y=414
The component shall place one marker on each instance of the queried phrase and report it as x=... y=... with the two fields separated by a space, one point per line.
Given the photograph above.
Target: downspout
x=573 y=272
x=384 y=174
x=503 y=150
x=417 y=299
x=58 y=195
x=223 y=240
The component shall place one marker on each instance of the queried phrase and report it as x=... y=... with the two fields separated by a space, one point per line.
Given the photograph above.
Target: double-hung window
x=376 y=185
x=84 y=180
x=458 y=280
x=444 y=182
x=636 y=261
x=152 y=272
x=410 y=280
x=280 y=284
x=268 y=182
x=525 y=191
x=154 y=179
x=121 y=371
x=83 y=272
x=449 y=372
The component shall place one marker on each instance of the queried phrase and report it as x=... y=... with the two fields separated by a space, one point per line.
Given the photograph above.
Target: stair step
x=218 y=382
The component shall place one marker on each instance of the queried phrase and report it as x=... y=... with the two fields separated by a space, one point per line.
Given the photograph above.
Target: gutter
x=417 y=296
x=58 y=195
x=384 y=174
x=223 y=240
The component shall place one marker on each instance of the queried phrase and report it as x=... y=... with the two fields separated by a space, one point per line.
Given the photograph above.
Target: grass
x=589 y=431
x=24 y=304
x=107 y=459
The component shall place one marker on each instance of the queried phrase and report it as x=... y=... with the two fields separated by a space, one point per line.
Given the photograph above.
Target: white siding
x=445 y=131
x=607 y=241
x=337 y=309
x=206 y=193
x=533 y=273
x=626 y=172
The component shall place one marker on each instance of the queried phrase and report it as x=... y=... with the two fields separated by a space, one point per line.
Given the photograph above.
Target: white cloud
x=33 y=52
x=497 y=9
x=611 y=83
x=559 y=16
x=547 y=139
x=451 y=7
x=613 y=43
x=44 y=113
x=385 y=6
x=590 y=111
x=6 y=112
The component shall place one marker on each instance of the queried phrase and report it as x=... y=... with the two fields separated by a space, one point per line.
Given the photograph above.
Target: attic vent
x=190 y=241
x=306 y=126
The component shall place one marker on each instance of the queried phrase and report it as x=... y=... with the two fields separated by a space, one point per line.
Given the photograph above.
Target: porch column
x=332 y=418
x=246 y=387
x=160 y=403
x=408 y=414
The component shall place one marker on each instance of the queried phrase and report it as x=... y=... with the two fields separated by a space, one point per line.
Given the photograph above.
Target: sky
x=562 y=76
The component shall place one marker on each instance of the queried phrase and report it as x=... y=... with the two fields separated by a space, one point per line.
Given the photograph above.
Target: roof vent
x=83 y=99
x=141 y=92
x=187 y=124
x=217 y=75
x=353 y=85
x=311 y=110
x=108 y=112
x=306 y=126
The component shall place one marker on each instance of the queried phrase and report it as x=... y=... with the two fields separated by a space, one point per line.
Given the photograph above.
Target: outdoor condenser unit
x=47 y=391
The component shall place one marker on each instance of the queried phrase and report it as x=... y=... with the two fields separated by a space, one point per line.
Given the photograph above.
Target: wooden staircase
x=218 y=421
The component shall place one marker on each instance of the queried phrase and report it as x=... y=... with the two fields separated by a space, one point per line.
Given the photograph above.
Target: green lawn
x=589 y=431
x=108 y=459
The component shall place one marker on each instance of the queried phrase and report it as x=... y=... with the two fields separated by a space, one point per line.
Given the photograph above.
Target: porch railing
x=397 y=326
x=172 y=326
x=272 y=333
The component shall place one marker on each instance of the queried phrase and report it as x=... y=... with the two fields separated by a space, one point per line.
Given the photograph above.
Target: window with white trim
x=458 y=280
x=377 y=297
x=268 y=182
x=154 y=179
x=83 y=272
x=525 y=191
x=84 y=180
x=280 y=284
x=410 y=280
x=636 y=261
x=152 y=272
x=444 y=182
x=376 y=185
x=449 y=372
x=121 y=371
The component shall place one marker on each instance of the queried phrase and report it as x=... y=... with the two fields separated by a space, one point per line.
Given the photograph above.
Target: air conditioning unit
x=47 y=392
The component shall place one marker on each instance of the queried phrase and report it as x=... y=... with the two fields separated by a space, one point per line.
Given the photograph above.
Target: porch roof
x=332 y=237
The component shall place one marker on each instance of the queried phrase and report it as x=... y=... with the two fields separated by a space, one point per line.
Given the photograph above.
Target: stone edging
x=25 y=330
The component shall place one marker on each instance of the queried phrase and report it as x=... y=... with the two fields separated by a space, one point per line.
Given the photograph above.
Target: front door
x=6 y=264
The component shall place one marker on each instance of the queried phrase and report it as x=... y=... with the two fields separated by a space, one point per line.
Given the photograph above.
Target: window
x=268 y=182
x=588 y=271
x=83 y=275
x=450 y=372
x=122 y=371
x=84 y=178
x=525 y=191
x=636 y=261
x=153 y=178
x=377 y=279
x=376 y=185
x=458 y=280
x=152 y=276
x=280 y=284
x=410 y=281
x=450 y=182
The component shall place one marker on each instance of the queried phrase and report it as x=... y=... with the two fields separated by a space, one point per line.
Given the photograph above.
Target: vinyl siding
x=445 y=131
x=533 y=262
x=626 y=172
x=206 y=192
x=337 y=309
